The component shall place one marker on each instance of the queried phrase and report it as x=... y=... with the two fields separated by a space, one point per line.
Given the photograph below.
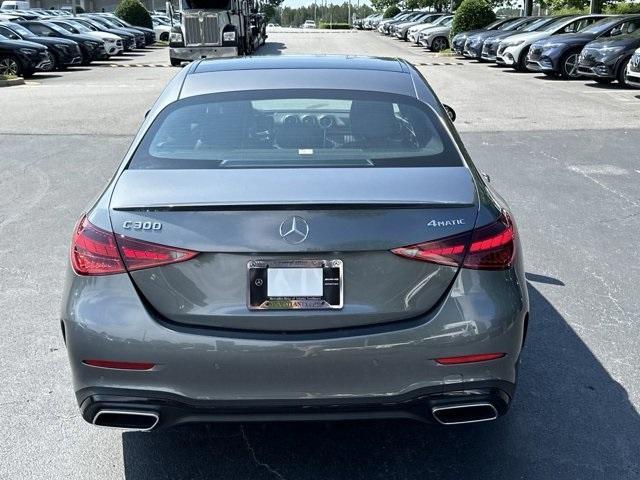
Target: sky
x=301 y=3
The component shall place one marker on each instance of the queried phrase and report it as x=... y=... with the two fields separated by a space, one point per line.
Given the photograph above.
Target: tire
x=439 y=43
x=175 y=62
x=569 y=65
x=86 y=59
x=27 y=73
x=521 y=64
x=10 y=65
x=164 y=37
x=622 y=70
x=53 y=62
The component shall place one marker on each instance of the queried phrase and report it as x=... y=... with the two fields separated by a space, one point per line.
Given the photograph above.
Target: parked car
x=372 y=23
x=20 y=58
x=413 y=33
x=268 y=305
x=14 y=5
x=128 y=38
x=513 y=51
x=90 y=48
x=459 y=40
x=149 y=34
x=400 y=30
x=436 y=38
x=112 y=43
x=559 y=54
x=402 y=16
x=387 y=28
x=491 y=45
x=162 y=30
x=60 y=51
x=140 y=37
x=473 y=45
x=606 y=59
x=309 y=24
x=633 y=70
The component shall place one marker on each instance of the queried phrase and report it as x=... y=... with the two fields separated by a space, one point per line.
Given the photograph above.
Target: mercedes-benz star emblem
x=294 y=229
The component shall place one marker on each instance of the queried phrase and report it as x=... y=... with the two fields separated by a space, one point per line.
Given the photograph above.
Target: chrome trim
x=462 y=406
x=127 y=412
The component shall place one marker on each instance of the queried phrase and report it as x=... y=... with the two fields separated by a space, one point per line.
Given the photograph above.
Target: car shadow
x=271 y=48
x=610 y=86
x=43 y=76
x=570 y=419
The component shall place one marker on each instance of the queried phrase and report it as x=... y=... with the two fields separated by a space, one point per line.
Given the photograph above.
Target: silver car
x=295 y=238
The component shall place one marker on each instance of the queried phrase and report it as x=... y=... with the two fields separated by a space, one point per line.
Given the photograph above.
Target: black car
x=90 y=48
x=105 y=22
x=606 y=59
x=21 y=58
x=458 y=41
x=149 y=33
x=473 y=45
x=61 y=52
x=128 y=38
x=558 y=55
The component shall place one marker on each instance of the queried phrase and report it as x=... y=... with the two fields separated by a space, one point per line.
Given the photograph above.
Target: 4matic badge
x=446 y=223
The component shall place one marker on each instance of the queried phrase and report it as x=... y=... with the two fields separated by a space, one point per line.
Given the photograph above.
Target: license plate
x=295 y=284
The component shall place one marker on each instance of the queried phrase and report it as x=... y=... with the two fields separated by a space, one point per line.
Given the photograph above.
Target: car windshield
x=296 y=128
x=557 y=24
x=601 y=26
x=67 y=27
x=57 y=28
x=78 y=26
x=441 y=20
x=20 y=30
x=510 y=24
x=539 y=23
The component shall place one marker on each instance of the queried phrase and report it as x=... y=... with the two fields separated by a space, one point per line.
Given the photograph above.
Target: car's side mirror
x=450 y=112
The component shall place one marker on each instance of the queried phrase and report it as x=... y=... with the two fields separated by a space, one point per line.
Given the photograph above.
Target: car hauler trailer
x=214 y=28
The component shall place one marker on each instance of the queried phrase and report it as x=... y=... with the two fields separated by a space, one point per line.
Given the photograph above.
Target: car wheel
x=164 y=36
x=175 y=62
x=9 y=66
x=569 y=66
x=521 y=64
x=53 y=63
x=622 y=70
x=439 y=43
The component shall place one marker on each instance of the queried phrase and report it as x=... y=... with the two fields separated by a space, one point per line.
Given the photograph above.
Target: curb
x=12 y=82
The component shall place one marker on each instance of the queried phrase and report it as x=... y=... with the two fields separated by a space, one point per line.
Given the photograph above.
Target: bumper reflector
x=481 y=357
x=119 y=365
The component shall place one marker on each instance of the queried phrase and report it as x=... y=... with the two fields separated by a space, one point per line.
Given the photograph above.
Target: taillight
x=95 y=251
x=487 y=248
x=481 y=357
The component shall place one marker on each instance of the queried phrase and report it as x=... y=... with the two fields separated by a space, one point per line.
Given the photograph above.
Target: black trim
x=291 y=206
x=174 y=409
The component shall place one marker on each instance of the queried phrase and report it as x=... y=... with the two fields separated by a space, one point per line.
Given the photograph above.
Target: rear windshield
x=301 y=128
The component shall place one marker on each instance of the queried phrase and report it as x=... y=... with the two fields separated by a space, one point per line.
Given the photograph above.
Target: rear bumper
x=173 y=410
x=196 y=53
x=105 y=318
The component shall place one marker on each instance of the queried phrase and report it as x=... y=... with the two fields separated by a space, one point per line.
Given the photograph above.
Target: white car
x=309 y=24
x=162 y=31
x=413 y=34
x=113 y=44
x=513 y=50
x=437 y=38
x=633 y=70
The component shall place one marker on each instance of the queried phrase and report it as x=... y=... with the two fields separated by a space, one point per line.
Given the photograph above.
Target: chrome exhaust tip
x=127 y=419
x=464 y=413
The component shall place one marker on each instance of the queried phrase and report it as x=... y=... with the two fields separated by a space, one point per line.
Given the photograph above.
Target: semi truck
x=214 y=28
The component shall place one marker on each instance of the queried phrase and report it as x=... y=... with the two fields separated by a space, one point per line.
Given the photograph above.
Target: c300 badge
x=131 y=225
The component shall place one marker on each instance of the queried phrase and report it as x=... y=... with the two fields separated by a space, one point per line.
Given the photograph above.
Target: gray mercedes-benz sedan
x=295 y=238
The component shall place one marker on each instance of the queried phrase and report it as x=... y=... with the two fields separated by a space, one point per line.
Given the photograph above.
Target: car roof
x=298 y=72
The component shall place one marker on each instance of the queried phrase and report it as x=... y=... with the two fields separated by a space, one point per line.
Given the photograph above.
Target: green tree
x=391 y=12
x=134 y=12
x=472 y=15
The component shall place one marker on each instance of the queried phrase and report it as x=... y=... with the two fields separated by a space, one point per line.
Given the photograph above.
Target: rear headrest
x=372 y=119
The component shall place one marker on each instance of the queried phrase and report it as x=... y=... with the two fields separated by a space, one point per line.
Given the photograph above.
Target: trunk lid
x=234 y=217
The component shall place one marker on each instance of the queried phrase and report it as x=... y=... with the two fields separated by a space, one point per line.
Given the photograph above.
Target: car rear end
x=209 y=284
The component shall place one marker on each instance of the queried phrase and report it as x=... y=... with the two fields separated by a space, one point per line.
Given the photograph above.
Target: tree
x=472 y=15
x=134 y=12
x=391 y=12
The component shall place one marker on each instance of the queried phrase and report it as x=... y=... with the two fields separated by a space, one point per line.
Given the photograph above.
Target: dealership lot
x=563 y=154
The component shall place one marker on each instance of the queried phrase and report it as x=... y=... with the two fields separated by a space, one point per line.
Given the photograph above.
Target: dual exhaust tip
x=464 y=413
x=446 y=415
x=127 y=419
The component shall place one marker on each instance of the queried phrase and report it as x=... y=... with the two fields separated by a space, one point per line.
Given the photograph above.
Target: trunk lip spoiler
x=284 y=206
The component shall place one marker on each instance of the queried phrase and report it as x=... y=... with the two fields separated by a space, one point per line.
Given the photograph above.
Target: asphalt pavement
x=565 y=155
